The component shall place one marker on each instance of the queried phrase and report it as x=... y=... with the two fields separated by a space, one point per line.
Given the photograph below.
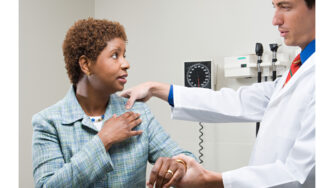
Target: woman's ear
x=85 y=65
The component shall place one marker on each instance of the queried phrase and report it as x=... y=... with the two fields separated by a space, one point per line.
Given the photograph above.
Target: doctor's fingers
x=125 y=93
x=131 y=95
x=139 y=93
x=134 y=97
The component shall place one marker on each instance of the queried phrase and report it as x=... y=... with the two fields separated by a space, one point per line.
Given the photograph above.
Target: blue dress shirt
x=307 y=52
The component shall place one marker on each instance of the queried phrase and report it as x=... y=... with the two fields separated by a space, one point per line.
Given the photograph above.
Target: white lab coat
x=284 y=151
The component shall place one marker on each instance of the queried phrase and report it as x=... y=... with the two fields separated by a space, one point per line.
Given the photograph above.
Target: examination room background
x=162 y=35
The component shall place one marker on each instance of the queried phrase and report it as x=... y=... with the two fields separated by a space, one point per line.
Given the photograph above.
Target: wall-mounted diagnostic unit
x=246 y=66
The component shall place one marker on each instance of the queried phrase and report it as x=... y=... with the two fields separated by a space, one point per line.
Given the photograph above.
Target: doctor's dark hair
x=88 y=37
x=310 y=3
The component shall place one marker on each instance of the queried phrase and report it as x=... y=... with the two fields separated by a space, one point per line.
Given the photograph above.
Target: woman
x=88 y=139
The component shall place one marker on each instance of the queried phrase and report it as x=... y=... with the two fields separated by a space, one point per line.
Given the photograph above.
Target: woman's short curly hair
x=88 y=37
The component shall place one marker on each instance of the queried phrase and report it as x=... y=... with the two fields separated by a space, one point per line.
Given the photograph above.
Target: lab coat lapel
x=280 y=91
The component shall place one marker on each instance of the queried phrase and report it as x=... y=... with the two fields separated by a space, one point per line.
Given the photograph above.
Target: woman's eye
x=114 y=56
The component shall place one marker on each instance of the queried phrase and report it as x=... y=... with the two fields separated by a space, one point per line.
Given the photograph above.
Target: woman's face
x=110 y=69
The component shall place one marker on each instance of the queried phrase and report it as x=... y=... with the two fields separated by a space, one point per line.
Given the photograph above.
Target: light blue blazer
x=68 y=153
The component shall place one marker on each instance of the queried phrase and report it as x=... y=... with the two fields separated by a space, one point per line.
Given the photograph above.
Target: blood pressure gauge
x=198 y=74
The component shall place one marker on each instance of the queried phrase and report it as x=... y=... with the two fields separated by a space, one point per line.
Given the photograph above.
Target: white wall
x=42 y=76
x=163 y=34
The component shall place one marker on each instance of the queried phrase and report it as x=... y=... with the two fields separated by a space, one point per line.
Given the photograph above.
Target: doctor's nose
x=277 y=19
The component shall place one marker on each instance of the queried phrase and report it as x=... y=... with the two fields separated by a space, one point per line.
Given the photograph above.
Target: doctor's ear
x=85 y=65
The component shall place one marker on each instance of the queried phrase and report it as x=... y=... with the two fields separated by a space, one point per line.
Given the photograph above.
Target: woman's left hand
x=166 y=172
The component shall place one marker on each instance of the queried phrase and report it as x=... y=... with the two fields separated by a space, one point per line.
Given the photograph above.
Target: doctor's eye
x=286 y=7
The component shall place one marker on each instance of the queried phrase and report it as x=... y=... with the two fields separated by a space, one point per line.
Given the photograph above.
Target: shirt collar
x=307 y=52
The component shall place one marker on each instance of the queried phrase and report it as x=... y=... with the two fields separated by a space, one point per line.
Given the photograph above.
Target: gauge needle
x=198 y=81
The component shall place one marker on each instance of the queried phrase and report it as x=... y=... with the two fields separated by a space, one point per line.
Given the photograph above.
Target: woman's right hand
x=117 y=129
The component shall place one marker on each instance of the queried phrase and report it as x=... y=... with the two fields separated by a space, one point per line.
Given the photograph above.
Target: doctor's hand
x=197 y=176
x=166 y=172
x=143 y=92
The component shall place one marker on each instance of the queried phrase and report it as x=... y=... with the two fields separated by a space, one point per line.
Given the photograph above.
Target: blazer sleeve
x=247 y=104
x=297 y=169
x=49 y=167
x=160 y=143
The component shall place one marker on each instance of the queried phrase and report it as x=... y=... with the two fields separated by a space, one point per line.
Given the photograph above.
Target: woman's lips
x=122 y=79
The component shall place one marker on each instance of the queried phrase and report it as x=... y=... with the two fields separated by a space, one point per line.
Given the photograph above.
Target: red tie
x=293 y=68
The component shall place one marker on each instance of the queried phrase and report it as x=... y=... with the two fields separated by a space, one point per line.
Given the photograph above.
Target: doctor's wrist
x=213 y=179
x=160 y=90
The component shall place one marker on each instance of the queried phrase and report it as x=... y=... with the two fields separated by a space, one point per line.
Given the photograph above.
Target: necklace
x=97 y=119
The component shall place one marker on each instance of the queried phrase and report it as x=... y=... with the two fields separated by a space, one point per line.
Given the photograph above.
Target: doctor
x=284 y=151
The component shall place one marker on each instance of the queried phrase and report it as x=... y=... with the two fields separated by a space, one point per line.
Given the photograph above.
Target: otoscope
x=259 y=52
x=273 y=48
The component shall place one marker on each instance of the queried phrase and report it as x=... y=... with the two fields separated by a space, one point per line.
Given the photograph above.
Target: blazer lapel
x=71 y=111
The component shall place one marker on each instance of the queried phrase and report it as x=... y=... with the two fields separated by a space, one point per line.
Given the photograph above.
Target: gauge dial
x=198 y=75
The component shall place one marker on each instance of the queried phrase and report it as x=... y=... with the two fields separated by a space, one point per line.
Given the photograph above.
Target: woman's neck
x=92 y=101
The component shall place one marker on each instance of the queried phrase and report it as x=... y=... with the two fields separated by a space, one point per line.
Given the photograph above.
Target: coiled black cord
x=200 y=143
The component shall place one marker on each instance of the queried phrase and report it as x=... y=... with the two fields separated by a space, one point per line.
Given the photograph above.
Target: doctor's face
x=295 y=21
